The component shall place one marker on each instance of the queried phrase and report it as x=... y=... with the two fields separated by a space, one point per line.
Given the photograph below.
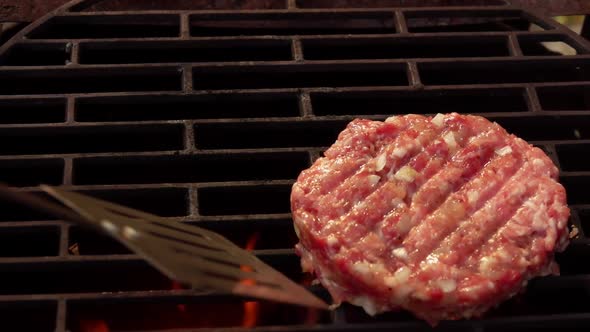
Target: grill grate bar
x=274 y=257
x=304 y=63
x=189 y=139
x=55 y=98
x=532 y=99
x=74 y=49
x=401 y=26
x=61 y=315
x=414 y=75
x=186 y=185
x=514 y=46
x=70 y=109
x=64 y=240
x=185 y=26
x=428 y=11
x=297 y=50
x=212 y=145
x=72 y=258
x=418 y=36
x=306 y=109
x=68 y=171
x=187 y=79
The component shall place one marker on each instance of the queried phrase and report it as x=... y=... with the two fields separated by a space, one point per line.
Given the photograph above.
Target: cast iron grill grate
x=206 y=115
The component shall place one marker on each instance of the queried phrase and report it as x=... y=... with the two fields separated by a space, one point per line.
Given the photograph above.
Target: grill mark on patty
x=332 y=175
x=395 y=186
x=398 y=222
x=474 y=258
x=455 y=241
x=345 y=192
x=337 y=154
x=430 y=153
x=421 y=206
x=355 y=132
x=546 y=188
x=531 y=197
x=329 y=190
x=481 y=223
x=329 y=172
x=344 y=143
x=397 y=213
x=535 y=246
x=513 y=244
x=416 y=213
x=422 y=238
x=381 y=199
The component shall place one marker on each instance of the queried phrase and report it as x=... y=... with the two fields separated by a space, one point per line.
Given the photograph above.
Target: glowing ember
x=251 y=308
x=175 y=286
x=94 y=326
x=250 y=314
x=252 y=240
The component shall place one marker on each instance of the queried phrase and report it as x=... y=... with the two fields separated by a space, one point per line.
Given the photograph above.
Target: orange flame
x=251 y=308
x=93 y=325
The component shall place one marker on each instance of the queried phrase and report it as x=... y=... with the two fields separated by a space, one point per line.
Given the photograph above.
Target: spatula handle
x=40 y=204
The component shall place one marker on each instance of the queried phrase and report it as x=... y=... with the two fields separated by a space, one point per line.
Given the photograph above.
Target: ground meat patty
x=444 y=216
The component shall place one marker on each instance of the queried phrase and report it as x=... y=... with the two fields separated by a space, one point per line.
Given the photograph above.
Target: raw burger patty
x=445 y=217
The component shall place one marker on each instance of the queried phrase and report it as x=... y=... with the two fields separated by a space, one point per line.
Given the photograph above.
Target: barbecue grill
x=206 y=114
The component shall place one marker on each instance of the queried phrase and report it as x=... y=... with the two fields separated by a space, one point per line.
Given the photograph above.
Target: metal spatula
x=188 y=254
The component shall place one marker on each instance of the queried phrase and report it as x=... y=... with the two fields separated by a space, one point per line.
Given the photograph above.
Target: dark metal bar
x=74 y=53
x=533 y=99
x=37 y=203
x=268 y=91
x=414 y=75
x=194 y=202
x=297 y=49
x=469 y=10
x=305 y=105
x=187 y=78
x=185 y=26
x=513 y=45
x=401 y=26
x=189 y=137
x=552 y=153
x=205 y=39
x=61 y=319
x=157 y=68
x=64 y=239
x=71 y=110
x=68 y=170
